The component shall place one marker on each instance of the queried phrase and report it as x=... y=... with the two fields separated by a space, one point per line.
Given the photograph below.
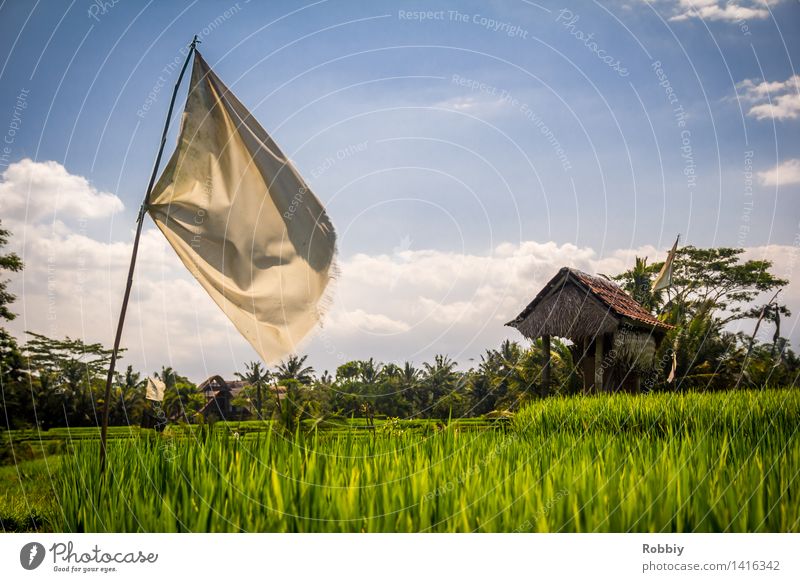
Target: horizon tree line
x=48 y=382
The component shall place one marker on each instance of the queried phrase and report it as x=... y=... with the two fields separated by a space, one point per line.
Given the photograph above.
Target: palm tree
x=510 y=353
x=409 y=374
x=168 y=376
x=369 y=372
x=128 y=396
x=639 y=286
x=440 y=381
x=294 y=368
x=391 y=371
x=258 y=378
x=182 y=402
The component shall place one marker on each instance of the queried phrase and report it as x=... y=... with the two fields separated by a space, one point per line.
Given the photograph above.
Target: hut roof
x=608 y=293
x=216 y=385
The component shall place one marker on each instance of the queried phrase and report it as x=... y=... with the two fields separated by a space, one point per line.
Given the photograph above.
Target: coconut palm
x=168 y=376
x=369 y=372
x=639 y=285
x=128 y=396
x=294 y=368
x=440 y=380
x=257 y=377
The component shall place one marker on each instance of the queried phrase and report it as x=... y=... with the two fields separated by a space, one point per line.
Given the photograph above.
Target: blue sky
x=433 y=131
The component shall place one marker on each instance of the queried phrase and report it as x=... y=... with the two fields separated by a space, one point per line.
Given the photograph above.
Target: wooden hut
x=615 y=338
x=220 y=394
x=219 y=398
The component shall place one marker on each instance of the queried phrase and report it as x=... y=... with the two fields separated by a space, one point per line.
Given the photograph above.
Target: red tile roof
x=607 y=292
x=617 y=299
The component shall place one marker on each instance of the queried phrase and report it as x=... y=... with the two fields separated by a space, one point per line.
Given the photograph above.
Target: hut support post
x=546 y=367
x=587 y=384
x=598 y=363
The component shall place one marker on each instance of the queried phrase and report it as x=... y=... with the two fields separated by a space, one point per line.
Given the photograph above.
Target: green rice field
x=652 y=463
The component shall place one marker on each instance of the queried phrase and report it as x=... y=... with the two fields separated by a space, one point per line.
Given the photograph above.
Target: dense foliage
x=713 y=292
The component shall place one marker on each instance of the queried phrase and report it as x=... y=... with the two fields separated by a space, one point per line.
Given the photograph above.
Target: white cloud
x=457 y=303
x=358 y=321
x=408 y=305
x=778 y=100
x=720 y=10
x=32 y=191
x=478 y=106
x=785 y=173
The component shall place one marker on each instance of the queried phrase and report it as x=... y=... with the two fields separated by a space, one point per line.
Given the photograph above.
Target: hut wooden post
x=546 y=367
x=587 y=380
x=598 y=363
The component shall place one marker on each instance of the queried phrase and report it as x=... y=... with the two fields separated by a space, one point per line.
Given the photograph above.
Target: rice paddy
x=652 y=463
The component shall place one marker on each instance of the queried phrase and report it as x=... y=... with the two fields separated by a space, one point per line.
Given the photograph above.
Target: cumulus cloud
x=785 y=173
x=457 y=303
x=358 y=320
x=72 y=283
x=408 y=305
x=719 y=10
x=778 y=100
x=32 y=191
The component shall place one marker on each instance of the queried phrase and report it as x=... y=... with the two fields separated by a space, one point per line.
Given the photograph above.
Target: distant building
x=220 y=394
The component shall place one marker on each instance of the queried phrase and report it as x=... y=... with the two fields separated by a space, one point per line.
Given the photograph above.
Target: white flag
x=664 y=278
x=243 y=221
x=155 y=389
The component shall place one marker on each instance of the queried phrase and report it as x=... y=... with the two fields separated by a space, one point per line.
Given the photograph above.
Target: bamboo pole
x=132 y=267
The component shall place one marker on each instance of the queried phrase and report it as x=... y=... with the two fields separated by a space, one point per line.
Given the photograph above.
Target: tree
x=15 y=402
x=181 y=400
x=710 y=289
x=703 y=279
x=67 y=356
x=259 y=378
x=171 y=378
x=638 y=284
x=9 y=262
x=73 y=372
x=440 y=380
x=127 y=397
x=294 y=368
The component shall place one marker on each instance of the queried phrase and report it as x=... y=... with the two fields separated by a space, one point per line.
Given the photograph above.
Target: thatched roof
x=214 y=386
x=575 y=305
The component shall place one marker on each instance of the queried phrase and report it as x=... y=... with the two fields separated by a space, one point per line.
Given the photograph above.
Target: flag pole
x=126 y=296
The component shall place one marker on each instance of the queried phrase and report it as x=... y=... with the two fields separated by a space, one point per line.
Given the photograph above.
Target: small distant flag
x=155 y=390
x=673 y=369
x=664 y=278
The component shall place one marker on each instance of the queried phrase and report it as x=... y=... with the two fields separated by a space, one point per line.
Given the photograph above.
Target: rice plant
x=670 y=462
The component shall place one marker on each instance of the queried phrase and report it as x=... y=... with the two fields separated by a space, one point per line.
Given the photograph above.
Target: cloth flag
x=664 y=278
x=673 y=368
x=155 y=390
x=243 y=221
